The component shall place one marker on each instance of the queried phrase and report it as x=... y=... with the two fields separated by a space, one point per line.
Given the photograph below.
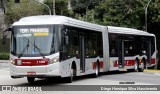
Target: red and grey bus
x=47 y=46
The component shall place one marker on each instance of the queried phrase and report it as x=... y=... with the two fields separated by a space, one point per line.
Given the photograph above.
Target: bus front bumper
x=50 y=70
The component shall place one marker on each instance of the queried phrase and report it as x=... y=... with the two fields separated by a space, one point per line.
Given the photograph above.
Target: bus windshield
x=40 y=40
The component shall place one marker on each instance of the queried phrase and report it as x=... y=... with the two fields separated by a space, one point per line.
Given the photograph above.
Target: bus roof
x=55 y=19
x=123 y=30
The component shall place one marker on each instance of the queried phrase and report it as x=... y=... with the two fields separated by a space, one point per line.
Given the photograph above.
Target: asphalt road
x=109 y=78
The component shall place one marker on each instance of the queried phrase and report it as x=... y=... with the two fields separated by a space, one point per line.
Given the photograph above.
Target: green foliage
x=128 y=13
x=122 y=13
x=4 y=56
x=60 y=7
x=5 y=48
x=15 y=11
x=80 y=6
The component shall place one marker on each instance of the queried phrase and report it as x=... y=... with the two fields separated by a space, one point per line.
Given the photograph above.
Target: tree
x=126 y=13
x=17 y=1
x=121 y=13
x=15 y=11
x=60 y=6
x=84 y=9
x=154 y=20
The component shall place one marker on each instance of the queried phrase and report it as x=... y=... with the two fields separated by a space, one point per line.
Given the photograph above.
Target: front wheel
x=31 y=79
x=136 y=66
x=70 y=78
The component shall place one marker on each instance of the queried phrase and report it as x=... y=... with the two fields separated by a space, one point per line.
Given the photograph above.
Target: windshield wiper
x=21 y=53
x=38 y=49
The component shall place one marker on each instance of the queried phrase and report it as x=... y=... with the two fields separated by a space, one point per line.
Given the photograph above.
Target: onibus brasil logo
x=20 y=88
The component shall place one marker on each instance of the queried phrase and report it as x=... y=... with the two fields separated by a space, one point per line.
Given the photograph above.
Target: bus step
x=122 y=69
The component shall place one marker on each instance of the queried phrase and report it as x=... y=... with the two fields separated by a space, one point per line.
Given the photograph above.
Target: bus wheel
x=70 y=78
x=31 y=79
x=136 y=66
x=96 y=70
x=142 y=67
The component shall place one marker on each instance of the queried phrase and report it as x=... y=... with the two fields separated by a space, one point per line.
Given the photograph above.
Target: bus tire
x=30 y=79
x=70 y=78
x=136 y=66
x=96 y=74
x=74 y=70
x=141 y=69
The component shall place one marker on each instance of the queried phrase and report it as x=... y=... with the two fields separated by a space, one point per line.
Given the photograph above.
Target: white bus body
x=69 y=47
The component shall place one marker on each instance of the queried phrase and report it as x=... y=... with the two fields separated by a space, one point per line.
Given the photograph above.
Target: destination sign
x=26 y=32
x=34 y=30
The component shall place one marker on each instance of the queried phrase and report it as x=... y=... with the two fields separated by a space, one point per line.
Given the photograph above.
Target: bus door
x=82 y=52
x=148 y=52
x=121 y=52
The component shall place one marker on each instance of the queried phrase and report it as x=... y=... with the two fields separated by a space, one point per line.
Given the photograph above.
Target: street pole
x=87 y=8
x=146 y=9
x=44 y=5
x=54 y=10
x=2 y=5
x=146 y=12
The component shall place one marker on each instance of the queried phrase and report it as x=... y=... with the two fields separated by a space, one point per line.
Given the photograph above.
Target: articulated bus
x=48 y=46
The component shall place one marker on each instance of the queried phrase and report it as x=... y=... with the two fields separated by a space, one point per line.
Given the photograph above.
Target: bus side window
x=113 y=52
x=91 y=44
x=72 y=48
x=99 y=45
x=113 y=45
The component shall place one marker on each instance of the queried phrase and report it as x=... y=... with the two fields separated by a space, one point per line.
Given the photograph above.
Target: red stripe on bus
x=94 y=65
x=116 y=63
x=31 y=62
x=153 y=61
x=100 y=64
x=126 y=63
x=132 y=62
x=129 y=62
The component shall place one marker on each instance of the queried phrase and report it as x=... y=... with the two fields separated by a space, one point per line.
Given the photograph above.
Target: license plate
x=31 y=73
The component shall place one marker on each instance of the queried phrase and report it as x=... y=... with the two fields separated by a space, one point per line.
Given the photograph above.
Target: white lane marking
x=158 y=74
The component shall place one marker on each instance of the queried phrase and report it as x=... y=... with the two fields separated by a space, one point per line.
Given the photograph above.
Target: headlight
x=12 y=61
x=53 y=60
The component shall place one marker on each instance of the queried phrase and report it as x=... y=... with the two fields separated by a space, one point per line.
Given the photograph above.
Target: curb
x=146 y=70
